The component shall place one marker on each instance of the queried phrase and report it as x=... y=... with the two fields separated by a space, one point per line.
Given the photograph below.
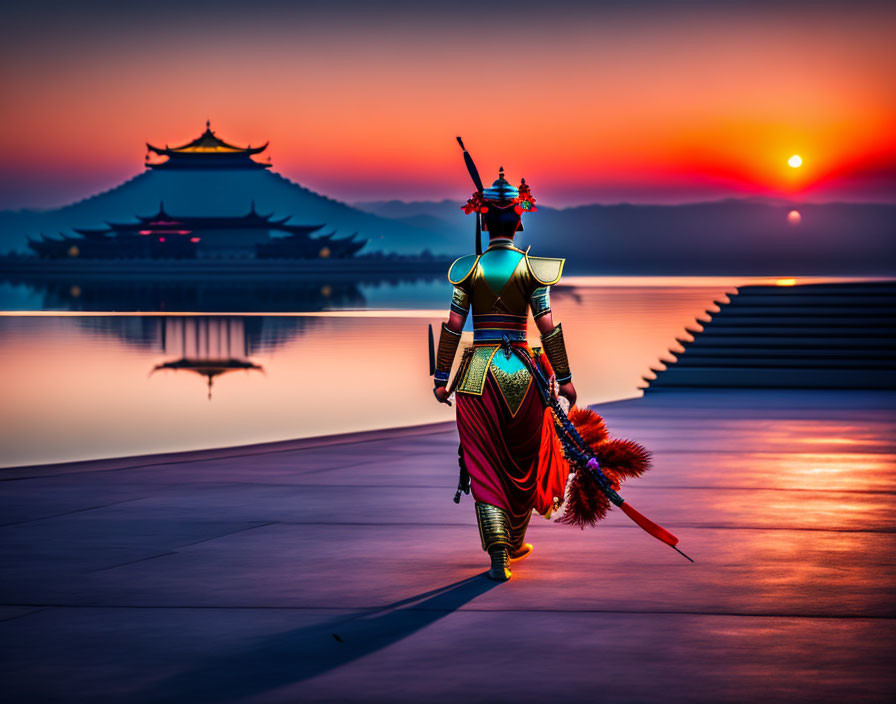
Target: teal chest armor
x=500 y=286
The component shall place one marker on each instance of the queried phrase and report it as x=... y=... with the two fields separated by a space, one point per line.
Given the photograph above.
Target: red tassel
x=656 y=531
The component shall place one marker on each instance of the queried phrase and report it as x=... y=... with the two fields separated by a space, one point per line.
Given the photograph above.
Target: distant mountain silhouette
x=447 y=209
x=220 y=192
x=749 y=236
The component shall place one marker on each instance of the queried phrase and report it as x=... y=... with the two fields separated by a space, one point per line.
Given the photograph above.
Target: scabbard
x=432 y=352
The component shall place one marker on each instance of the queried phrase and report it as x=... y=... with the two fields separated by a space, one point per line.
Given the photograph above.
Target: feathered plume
x=585 y=503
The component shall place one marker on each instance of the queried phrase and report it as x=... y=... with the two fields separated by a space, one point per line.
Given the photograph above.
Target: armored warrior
x=508 y=443
x=518 y=445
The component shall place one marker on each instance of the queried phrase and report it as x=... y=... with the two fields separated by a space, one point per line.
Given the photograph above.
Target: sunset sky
x=650 y=102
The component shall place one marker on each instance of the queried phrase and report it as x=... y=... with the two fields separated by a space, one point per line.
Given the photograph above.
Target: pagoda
x=166 y=236
x=163 y=235
x=207 y=151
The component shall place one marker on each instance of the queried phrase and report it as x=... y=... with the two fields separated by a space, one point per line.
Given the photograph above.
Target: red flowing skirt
x=514 y=462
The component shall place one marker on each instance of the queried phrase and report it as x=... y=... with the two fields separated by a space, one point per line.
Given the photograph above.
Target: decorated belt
x=493 y=327
x=496 y=336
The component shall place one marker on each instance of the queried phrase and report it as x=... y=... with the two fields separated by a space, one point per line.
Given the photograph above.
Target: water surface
x=81 y=384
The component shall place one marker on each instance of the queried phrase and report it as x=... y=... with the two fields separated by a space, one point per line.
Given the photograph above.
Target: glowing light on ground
x=795 y=162
x=786 y=282
x=794 y=217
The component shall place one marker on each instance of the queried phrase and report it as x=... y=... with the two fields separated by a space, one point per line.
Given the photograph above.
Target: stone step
x=858 y=354
x=835 y=336
x=849 y=301
x=788 y=342
x=720 y=328
x=822 y=289
x=808 y=317
x=794 y=362
x=749 y=378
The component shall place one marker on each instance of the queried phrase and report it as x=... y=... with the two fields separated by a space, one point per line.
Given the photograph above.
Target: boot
x=494 y=530
x=500 y=569
x=518 y=548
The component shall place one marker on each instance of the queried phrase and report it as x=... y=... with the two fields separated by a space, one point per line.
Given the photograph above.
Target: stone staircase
x=811 y=336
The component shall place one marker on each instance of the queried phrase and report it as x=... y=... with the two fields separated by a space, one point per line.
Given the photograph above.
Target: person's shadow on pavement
x=300 y=654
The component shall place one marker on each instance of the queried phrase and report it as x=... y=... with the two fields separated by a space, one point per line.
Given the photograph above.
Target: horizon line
x=359 y=204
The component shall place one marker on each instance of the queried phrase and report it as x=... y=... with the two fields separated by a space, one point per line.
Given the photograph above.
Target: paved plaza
x=339 y=569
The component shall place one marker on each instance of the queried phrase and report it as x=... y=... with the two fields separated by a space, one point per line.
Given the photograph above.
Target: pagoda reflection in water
x=259 y=333
x=206 y=346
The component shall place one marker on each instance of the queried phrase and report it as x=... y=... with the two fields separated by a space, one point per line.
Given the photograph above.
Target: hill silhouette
x=749 y=236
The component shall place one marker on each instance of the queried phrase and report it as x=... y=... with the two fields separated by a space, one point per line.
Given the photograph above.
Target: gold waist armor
x=512 y=377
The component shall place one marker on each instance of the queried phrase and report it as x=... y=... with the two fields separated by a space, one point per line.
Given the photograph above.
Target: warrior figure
x=508 y=442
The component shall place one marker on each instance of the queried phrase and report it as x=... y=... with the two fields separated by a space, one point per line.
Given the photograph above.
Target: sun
x=795 y=162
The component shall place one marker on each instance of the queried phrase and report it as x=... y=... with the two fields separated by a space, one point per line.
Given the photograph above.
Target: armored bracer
x=555 y=349
x=448 y=342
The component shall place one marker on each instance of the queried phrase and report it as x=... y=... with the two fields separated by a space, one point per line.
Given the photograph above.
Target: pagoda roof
x=206 y=144
x=92 y=233
x=252 y=219
x=253 y=216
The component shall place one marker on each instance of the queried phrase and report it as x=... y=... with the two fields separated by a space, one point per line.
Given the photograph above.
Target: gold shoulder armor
x=545 y=270
x=462 y=268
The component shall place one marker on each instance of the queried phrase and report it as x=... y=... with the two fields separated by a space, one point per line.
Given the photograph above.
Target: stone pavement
x=339 y=569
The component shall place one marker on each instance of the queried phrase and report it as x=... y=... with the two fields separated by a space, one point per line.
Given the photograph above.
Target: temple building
x=208 y=236
x=207 y=151
x=166 y=236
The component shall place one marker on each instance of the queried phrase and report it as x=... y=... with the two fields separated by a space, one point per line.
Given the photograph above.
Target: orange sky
x=589 y=105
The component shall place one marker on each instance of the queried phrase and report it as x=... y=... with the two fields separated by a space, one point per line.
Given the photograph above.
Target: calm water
x=81 y=385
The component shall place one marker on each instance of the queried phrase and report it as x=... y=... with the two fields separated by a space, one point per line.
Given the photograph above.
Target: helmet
x=502 y=205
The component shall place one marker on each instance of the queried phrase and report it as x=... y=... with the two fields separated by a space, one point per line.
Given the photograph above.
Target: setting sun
x=795 y=162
